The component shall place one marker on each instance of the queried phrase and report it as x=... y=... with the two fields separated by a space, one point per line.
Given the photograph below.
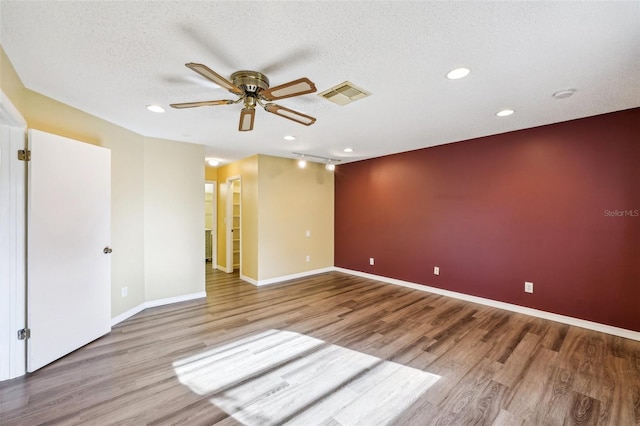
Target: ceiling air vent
x=344 y=93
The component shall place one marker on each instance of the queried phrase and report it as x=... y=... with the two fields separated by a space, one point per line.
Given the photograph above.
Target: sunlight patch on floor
x=283 y=377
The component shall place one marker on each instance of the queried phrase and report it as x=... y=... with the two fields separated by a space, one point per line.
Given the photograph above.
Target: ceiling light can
x=155 y=108
x=458 y=73
x=504 y=112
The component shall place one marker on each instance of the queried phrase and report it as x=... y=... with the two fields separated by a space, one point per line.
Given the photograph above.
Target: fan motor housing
x=250 y=81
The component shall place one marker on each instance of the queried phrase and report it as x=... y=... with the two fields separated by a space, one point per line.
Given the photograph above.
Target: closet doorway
x=210 y=224
x=234 y=214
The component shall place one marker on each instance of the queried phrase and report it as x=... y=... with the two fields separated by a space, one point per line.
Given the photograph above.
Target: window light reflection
x=280 y=377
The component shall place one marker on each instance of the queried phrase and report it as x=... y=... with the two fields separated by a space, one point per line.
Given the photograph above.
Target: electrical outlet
x=307 y=234
x=436 y=270
x=308 y=258
x=371 y=261
x=124 y=291
x=528 y=287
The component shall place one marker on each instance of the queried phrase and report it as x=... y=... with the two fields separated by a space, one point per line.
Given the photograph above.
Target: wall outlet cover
x=528 y=287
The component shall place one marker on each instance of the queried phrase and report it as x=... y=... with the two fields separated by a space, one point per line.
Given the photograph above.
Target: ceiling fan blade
x=296 y=116
x=209 y=74
x=298 y=87
x=246 y=119
x=202 y=103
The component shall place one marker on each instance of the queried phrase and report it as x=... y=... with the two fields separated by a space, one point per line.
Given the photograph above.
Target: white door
x=68 y=228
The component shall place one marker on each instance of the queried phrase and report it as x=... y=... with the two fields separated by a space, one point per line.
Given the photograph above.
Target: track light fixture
x=331 y=162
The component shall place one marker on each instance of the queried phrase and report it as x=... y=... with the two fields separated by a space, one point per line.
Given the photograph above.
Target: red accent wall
x=558 y=205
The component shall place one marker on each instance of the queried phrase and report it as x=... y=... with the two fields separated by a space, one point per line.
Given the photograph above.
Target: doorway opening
x=234 y=231
x=210 y=224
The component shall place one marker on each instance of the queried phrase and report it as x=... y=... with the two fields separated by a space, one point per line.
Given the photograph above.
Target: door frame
x=229 y=223
x=214 y=229
x=13 y=285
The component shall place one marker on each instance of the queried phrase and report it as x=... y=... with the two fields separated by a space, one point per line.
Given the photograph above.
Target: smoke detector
x=562 y=94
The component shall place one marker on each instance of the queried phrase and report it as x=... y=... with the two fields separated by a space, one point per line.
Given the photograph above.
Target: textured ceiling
x=113 y=58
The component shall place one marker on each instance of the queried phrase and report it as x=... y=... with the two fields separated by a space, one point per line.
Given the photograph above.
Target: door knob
x=107 y=250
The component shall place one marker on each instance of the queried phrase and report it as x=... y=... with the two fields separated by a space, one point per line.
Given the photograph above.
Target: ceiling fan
x=253 y=89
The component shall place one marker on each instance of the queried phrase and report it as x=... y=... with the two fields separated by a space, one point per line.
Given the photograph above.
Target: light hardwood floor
x=333 y=349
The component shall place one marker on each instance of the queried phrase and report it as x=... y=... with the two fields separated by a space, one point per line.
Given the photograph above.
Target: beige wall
x=129 y=152
x=280 y=202
x=127 y=188
x=247 y=169
x=173 y=219
x=210 y=173
x=293 y=201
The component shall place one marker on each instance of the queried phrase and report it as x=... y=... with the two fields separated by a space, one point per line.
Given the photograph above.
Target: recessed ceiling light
x=561 y=94
x=290 y=138
x=155 y=108
x=348 y=150
x=213 y=162
x=505 y=112
x=458 y=73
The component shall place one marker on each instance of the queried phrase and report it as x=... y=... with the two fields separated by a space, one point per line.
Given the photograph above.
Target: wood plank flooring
x=333 y=349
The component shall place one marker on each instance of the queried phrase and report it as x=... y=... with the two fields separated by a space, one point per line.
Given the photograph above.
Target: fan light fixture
x=253 y=89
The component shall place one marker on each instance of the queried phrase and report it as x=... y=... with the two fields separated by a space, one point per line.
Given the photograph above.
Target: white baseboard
x=222 y=268
x=128 y=314
x=177 y=299
x=616 y=331
x=249 y=280
x=287 y=277
x=154 y=303
x=590 y=325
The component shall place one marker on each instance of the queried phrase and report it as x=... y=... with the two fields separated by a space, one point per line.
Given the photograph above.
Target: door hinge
x=24 y=155
x=24 y=334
